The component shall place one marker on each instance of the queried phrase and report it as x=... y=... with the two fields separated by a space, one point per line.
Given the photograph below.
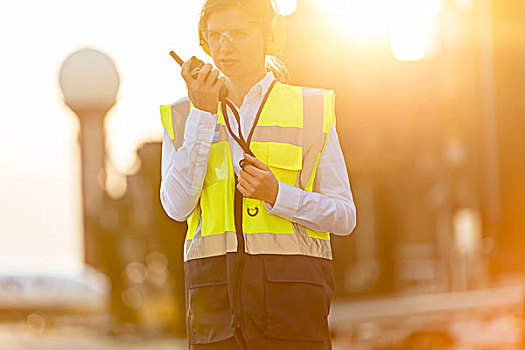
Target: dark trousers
x=284 y=302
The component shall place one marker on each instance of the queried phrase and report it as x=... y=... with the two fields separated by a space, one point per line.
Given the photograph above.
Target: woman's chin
x=227 y=70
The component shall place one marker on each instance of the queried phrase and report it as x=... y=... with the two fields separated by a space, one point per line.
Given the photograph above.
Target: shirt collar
x=260 y=88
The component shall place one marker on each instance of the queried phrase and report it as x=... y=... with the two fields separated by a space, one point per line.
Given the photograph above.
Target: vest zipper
x=238 y=207
x=239 y=259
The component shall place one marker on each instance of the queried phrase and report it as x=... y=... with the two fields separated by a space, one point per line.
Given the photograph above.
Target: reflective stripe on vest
x=290 y=136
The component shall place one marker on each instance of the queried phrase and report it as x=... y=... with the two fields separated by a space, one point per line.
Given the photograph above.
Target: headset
x=274 y=45
x=276 y=37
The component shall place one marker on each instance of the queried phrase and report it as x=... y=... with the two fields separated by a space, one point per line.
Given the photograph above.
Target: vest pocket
x=297 y=299
x=208 y=305
x=217 y=168
x=285 y=160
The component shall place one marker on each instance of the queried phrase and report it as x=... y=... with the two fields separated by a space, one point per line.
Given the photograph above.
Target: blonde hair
x=260 y=9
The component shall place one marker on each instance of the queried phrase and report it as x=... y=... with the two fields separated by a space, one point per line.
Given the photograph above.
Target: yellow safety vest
x=289 y=137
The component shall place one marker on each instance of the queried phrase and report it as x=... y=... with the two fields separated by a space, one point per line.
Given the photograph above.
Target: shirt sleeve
x=330 y=207
x=183 y=170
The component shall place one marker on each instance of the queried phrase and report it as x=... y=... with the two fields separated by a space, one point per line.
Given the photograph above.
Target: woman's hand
x=203 y=91
x=257 y=181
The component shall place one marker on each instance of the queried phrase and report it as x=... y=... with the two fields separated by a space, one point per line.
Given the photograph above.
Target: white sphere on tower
x=89 y=81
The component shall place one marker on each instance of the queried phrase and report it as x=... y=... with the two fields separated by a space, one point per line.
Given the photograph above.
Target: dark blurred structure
x=508 y=23
x=435 y=147
x=140 y=249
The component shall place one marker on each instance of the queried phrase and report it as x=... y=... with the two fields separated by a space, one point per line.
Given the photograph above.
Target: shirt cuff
x=287 y=201
x=201 y=124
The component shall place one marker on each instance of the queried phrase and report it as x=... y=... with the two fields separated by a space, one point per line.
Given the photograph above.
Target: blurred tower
x=89 y=81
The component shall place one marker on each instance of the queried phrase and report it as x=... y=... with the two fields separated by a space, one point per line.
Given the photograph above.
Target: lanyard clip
x=255 y=213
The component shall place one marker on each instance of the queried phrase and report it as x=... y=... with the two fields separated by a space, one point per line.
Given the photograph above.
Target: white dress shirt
x=329 y=208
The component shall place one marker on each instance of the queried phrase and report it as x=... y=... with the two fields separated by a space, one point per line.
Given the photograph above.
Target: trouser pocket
x=297 y=299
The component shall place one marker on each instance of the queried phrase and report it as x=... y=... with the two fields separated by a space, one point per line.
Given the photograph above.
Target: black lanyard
x=241 y=141
x=238 y=205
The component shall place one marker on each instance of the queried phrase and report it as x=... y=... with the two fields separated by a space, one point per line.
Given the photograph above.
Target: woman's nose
x=225 y=45
x=227 y=36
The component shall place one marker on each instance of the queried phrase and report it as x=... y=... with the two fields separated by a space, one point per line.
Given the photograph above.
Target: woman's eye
x=213 y=36
x=241 y=34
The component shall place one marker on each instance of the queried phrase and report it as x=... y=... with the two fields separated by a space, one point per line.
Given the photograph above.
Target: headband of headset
x=276 y=36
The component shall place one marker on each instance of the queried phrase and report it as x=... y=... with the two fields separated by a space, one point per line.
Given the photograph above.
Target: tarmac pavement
x=18 y=336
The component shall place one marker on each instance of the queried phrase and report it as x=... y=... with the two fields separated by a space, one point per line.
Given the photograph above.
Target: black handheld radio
x=195 y=66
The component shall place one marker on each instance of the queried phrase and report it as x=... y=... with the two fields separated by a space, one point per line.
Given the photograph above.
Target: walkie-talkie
x=195 y=66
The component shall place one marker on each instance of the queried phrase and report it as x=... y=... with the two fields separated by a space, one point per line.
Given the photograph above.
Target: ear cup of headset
x=203 y=43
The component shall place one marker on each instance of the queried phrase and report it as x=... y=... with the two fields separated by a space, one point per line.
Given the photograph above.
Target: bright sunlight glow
x=286 y=7
x=407 y=44
x=405 y=21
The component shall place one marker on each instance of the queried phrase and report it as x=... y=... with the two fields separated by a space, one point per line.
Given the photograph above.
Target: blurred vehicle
x=467 y=320
x=43 y=300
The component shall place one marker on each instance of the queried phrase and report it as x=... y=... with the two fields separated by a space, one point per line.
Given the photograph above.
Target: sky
x=40 y=204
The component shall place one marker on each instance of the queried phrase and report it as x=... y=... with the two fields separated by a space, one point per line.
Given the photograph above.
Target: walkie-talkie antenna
x=196 y=64
x=176 y=58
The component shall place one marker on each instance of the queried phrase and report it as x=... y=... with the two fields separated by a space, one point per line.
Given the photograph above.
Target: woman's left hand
x=257 y=181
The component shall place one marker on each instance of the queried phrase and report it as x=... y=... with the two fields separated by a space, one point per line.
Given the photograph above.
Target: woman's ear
x=276 y=35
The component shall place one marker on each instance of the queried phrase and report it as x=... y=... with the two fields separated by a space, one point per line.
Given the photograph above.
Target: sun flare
x=404 y=21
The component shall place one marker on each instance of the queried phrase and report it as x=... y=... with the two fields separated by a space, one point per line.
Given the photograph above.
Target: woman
x=257 y=253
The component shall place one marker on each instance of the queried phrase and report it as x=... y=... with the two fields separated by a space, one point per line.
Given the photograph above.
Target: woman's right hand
x=203 y=91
